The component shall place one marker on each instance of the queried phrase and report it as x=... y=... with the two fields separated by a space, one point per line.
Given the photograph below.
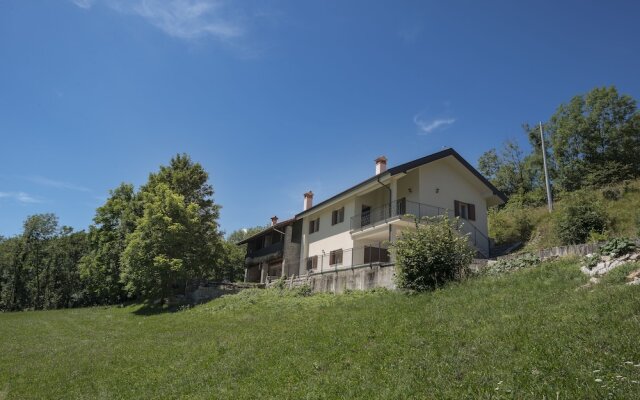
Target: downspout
x=390 y=205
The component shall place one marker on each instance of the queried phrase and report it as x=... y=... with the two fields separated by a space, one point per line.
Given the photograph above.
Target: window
x=335 y=257
x=314 y=225
x=337 y=216
x=312 y=262
x=464 y=210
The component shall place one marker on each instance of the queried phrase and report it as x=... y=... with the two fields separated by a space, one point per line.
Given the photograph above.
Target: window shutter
x=317 y=224
x=334 y=217
x=456 y=208
x=471 y=210
x=341 y=219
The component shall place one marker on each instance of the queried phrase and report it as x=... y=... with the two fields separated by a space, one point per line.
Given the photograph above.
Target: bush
x=579 y=216
x=617 y=247
x=511 y=224
x=431 y=255
x=526 y=260
x=612 y=193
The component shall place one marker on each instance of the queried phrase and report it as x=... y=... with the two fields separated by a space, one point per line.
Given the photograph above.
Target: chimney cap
x=308 y=194
x=274 y=220
x=381 y=159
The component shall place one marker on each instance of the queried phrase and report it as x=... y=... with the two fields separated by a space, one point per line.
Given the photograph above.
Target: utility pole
x=546 y=172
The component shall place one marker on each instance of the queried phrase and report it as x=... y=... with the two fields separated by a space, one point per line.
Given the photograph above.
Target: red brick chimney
x=308 y=200
x=381 y=164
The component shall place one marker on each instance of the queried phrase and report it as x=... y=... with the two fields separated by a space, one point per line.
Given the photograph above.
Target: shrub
x=612 y=193
x=579 y=216
x=526 y=260
x=617 y=247
x=431 y=255
x=511 y=224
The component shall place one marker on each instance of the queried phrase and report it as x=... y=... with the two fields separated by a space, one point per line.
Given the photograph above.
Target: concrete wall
x=359 y=278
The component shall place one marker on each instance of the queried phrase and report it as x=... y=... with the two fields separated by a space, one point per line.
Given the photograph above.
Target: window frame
x=337 y=216
x=314 y=225
x=336 y=257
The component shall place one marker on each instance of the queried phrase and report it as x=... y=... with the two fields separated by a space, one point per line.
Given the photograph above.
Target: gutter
x=390 y=200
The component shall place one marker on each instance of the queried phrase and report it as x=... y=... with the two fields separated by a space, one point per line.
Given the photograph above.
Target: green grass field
x=529 y=334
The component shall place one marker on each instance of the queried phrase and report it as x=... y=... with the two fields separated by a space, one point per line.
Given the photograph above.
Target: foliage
x=595 y=138
x=166 y=250
x=511 y=171
x=38 y=269
x=455 y=343
x=579 y=215
x=101 y=267
x=512 y=223
x=526 y=260
x=169 y=229
x=432 y=255
x=617 y=247
x=612 y=193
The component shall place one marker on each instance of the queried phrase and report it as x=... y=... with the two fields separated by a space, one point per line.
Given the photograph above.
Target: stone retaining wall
x=363 y=277
x=563 y=251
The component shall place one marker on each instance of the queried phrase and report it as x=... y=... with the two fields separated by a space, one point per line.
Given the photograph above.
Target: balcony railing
x=275 y=249
x=374 y=254
x=402 y=207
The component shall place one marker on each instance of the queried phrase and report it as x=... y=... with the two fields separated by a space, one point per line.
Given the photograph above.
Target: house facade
x=273 y=252
x=354 y=228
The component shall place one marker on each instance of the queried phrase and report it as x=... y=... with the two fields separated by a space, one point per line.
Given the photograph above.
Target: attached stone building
x=274 y=251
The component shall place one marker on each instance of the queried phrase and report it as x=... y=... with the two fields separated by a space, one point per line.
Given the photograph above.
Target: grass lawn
x=529 y=334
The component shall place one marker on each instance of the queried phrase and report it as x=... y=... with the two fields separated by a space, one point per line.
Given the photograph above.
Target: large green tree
x=38 y=269
x=595 y=138
x=101 y=267
x=176 y=239
x=511 y=170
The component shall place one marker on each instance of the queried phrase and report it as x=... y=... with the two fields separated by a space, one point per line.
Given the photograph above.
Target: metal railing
x=373 y=254
x=404 y=208
x=272 y=248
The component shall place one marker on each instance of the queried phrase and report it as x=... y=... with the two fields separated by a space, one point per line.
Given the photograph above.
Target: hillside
x=529 y=334
x=621 y=203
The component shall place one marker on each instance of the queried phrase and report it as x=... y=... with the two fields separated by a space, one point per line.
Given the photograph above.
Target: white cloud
x=184 y=19
x=21 y=197
x=57 y=184
x=427 y=127
x=86 y=4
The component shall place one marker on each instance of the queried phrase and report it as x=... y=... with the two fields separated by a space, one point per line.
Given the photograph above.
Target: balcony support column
x=264 y=269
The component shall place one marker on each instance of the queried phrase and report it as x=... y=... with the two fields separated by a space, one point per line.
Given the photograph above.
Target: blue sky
x=275 y=98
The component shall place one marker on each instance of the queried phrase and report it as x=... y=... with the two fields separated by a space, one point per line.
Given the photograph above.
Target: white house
x=340 y=240
x=354 y=227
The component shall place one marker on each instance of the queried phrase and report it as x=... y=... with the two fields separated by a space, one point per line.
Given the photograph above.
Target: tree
x=39 y=229
x=594 y=139
x=511 y=171
x=101 y=267
x=176 y=238
x=189 y=180
x=167 y=248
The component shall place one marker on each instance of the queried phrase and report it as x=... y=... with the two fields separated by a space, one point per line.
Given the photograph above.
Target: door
x=365 y=216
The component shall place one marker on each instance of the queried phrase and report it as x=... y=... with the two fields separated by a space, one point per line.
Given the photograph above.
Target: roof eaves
x=266 y=230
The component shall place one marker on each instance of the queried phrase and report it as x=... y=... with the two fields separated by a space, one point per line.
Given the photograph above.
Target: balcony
x=402 y=208
x=392 y=211
x=267 y=253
